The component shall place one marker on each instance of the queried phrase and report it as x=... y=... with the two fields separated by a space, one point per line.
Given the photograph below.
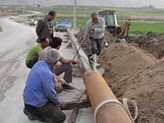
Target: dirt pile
x=136 y=74
x=84 y=43
x=122 y=61
x=148 y=90
x=154 y=43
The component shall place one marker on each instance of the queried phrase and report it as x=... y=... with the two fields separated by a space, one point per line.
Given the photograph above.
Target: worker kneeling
x=40 y=98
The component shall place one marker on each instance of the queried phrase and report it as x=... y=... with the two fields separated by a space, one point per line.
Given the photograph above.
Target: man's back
x=39 y=81
x=33 y=55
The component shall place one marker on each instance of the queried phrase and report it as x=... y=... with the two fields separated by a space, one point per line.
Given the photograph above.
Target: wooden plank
x=72 y=105
x=74 y=114
x=83 y=103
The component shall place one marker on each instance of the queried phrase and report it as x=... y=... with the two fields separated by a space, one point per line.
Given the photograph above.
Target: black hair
x=52 y=13
x=56 y=42
x=43 y=40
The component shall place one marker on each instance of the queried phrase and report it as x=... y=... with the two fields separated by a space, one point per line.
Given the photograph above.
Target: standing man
x=95 y=30
x=45 y=26
x=40 y=98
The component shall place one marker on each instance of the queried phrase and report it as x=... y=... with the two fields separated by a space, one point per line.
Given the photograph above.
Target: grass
x=83 y=14
x=142 y=27
x=125 y=12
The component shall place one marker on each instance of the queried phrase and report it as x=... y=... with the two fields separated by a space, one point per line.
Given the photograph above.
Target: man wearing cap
x=95 y=30
x=40 y=98
x=45 y=26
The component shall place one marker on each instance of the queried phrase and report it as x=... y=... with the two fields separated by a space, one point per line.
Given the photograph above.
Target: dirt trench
x=136 y=74
x=135 y=70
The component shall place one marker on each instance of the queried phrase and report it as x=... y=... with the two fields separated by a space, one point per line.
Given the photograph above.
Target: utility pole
x=74 y=13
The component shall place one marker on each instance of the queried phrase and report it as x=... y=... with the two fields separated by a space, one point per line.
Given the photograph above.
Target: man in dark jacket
x=45 y=26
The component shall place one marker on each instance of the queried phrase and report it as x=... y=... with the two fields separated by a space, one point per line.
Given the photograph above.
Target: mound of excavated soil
x=153 y=43
x=148 y=90
x=135 y=74
x=122 y=61
x=84 y=44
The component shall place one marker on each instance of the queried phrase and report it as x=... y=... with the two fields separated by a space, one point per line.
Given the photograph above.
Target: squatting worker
x=33 y=54
x=40 y=98
x=45 y=26
x=64 y=65
x=95 y=30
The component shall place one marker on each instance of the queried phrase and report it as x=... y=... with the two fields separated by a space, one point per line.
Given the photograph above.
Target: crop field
x=140 y=26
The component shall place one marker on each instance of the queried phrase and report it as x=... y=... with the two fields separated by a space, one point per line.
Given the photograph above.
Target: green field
x=122 y=12
x=83 y=14
x=142 y=27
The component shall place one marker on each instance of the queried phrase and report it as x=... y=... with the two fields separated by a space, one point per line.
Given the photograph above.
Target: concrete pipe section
x=106 y=107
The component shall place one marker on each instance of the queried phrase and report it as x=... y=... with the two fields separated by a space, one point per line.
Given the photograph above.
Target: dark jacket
x=43 y=29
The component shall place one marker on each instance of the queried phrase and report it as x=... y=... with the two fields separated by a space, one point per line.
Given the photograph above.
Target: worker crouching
x=40 y=98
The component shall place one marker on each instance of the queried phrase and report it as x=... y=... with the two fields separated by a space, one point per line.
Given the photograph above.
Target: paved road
x=14 y=43
x=15 y=40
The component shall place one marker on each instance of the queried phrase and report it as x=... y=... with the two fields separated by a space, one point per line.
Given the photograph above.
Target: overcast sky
x=123 y=3
x=157 y=3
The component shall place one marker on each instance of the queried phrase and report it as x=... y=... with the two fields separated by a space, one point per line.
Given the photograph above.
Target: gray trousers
x=67 y=70
x=96 y=45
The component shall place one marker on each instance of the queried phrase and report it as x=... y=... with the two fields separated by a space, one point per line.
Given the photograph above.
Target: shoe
x=29 y=115
x=67 y=86
x=97 y=65
x=93 y=58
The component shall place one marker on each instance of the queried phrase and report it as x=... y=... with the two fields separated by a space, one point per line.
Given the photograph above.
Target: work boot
x=66 y=85
x=93 y=61
x=106 y=44
x=29 y=115
x=93 y=58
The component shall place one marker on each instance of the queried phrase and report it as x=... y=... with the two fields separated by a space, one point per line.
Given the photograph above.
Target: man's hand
x=92 y=30
x=57 y=65
x=58 y=84
x=75 y=62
